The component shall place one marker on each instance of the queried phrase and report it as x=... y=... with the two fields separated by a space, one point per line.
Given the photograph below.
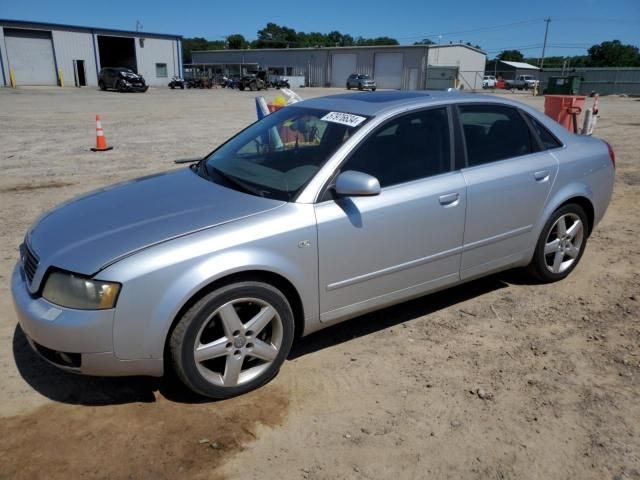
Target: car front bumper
x=132 y=87
x=79 y=341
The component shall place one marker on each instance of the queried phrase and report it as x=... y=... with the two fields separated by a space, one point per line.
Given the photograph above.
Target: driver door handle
x=449 y=199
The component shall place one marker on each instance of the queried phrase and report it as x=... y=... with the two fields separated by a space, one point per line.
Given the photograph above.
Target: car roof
x=375 y=103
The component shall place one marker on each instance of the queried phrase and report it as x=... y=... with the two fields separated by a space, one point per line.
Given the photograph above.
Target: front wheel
x=373 y=89
x=233 y=340
x=561 y=244
x=101 y=85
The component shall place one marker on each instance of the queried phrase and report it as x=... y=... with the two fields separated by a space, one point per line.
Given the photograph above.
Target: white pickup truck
x=521 y=82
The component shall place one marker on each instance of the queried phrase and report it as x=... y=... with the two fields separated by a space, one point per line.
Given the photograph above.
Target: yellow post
x=12 y=78
x=60 y=77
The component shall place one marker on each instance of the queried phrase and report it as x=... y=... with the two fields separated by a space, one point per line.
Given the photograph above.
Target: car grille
x=29 y=261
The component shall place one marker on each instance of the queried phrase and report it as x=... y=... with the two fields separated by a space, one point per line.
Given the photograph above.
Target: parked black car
x=176 y=82
x=254 y=81
x=122 y=79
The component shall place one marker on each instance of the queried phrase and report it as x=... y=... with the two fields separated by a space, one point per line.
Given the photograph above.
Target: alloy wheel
x=564 y=242
x=238 y=342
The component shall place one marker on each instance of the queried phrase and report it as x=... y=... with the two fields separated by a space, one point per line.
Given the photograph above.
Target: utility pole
x=544 y=44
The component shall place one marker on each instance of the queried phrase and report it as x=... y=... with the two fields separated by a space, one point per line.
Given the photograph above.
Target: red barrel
x=565 y=109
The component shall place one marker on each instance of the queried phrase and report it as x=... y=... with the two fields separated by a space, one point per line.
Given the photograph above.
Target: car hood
x=90 y=232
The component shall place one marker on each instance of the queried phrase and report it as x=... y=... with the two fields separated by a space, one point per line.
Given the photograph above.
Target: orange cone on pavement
x=101 y=141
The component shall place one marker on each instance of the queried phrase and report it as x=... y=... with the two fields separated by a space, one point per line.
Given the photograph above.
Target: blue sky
x=575 y=25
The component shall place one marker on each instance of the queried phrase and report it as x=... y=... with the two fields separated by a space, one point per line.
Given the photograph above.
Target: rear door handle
x=541 y=175
x=450 y=199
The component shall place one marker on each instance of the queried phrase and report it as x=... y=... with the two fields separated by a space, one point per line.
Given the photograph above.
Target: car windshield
x=278 y=155
x=363 y=77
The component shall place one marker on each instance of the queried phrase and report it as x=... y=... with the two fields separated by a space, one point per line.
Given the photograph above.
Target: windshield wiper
x=187 y=160
x=236 y=181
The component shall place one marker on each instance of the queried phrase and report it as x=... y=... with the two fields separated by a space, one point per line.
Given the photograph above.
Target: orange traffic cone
x=101 y=141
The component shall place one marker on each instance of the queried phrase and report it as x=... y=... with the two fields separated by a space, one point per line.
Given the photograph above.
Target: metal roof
x=60 y=26
x=520 y=65
x=354 y=47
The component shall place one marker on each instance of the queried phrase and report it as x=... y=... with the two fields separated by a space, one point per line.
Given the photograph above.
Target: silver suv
x=361 y=82
x=319 y=212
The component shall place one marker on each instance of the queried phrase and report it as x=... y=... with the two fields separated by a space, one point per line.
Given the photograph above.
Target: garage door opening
x=117 y=52
x=30 y=54
x=388 y=70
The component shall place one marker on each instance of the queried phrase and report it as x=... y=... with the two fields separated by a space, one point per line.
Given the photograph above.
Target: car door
x=508 y=177
x=378 y=250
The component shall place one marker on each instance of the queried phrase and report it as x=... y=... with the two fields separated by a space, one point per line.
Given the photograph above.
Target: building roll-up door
x=388 y=70
x=30 y=54
x=342 y=65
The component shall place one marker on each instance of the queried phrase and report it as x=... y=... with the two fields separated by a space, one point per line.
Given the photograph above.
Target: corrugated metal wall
x=605 y=81
x=315 y=64
x=80 y=43
x=70 y=46
x=153 y=51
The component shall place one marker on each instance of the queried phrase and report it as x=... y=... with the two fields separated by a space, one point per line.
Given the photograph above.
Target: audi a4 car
x=320 y=212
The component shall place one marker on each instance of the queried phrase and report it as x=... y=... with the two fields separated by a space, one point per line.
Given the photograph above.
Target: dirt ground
x=391 y=394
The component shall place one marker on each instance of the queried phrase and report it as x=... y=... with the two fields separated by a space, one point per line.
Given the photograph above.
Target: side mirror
x=356 y=184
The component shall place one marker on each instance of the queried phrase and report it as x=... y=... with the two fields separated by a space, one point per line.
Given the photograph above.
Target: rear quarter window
x=547 y=139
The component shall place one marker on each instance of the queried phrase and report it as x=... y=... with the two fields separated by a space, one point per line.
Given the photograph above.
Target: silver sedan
x=320 y=212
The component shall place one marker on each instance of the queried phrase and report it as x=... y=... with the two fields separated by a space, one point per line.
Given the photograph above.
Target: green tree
x=191 y=44
x=236 y=42
x=511 y=56
x=614 y=54
x=275 y=36
x=361 y=41
x=425 y=41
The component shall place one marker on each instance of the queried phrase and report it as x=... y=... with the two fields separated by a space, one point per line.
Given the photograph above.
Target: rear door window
x=494 y=132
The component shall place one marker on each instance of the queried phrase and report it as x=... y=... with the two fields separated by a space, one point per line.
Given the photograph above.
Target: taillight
x=612 y=154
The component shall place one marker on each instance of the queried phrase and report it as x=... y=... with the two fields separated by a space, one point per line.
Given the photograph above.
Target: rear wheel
x=373 y=89
x=561 y=244
x=348 y=87
x=233 y=340
x=101 y=85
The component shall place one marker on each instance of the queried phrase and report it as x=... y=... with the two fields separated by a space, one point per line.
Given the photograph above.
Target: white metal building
x=51 y=54
x=409 y=67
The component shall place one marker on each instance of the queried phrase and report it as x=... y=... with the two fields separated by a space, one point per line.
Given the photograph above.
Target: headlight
x=73 y=291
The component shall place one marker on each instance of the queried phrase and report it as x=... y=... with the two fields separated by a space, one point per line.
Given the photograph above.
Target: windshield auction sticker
x=347 y=119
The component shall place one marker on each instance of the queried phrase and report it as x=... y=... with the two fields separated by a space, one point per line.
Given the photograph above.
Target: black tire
x=253 y=87
x=185 y=334
x=348 y=87
x=538 y=266
x=241 y=87
x=373 y=89
x=101 y=85
x=181 y=87
x=171 y=86
x=359 y=87
x=120 y=86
